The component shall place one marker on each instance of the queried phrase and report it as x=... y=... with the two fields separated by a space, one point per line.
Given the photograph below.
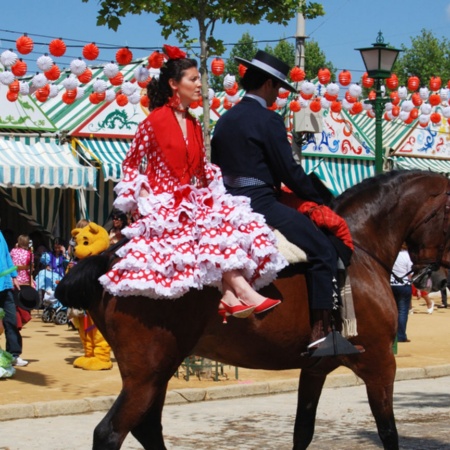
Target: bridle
x=430 y=265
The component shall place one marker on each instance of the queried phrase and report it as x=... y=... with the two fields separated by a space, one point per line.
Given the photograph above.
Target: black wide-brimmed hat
x=27 y=298
x=271 y=65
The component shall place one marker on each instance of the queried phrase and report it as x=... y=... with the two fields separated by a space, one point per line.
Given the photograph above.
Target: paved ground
x=50 y=385
x=263 y=423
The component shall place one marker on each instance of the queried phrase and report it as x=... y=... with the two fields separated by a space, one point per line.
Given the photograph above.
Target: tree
x=315 y=59
x=175 y=17
x=428 y=56
x=284 y=51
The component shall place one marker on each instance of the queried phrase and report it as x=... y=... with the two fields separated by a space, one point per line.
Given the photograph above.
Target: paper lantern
x=434 y=99
x=93 y=98
x=44 y=63
x=19 y=69
x=144 y=84
x=227 y=104
x=156 y=59
x=12 y=96
x=124 y=56
x=194 y=105
x=435 y=83
x=14 y=86
x=414 y=113
x=402 y=92
x=413 y=83
x=24 y=44
x=41 y=94
x=90 y=51
x=330 y=97
x=336 y=106
x=408 y=120
x=372 y=95
x=395 y=110
x=145 y=101
x=395 y=99
x=217 y=66
x=57 y=47
x=121 y=99
x=53 y=73
x=349 y=97
x=324 y=75
x=215 y=103
x=415 y=98
x=283 y=93
x=116 y=80
x=297 y=74
x=68 y=98
x=294 y=106
x=367 y=82
x=387 y=117
x=233 y=90
x=8 y=58
x=392 y=82
x=71 y=93
x=435 y=117
x=357 y=108
x=241 y=70
x=345 y=77
x=101 y=96
x=86 y=76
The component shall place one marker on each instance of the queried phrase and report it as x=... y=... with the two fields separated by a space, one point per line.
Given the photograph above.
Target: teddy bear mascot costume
x=91 y=240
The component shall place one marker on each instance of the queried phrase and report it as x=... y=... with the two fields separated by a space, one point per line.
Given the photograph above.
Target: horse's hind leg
x=310 y=389
x=379 y=374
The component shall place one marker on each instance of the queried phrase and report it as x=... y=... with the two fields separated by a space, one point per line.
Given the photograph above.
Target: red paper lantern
x=413 y=83
x=86 y=76
x=24 y=44
x=324 y=75
x=284 y=94
x=395 y=110
x=306 y=96
x=315 y=105
x=330 y=97
x=414 y=114
x=435 y=117
x=372 y=95
x=395 y=99
x=194 y=105
x=215 y=103
x=117 y=80
x=156 y=60
x=68 y=97
x=356 y=108
x=12 y=96
x=217 y=66
x=121 y=99
x=386 y=117
x=53 y=73
x=423 y=125
x=297 y=74
x=415 y=98
x=19 y=69
x=435 y=83
x=144 y=84
x=93 y=98
x=14 y=86
x=232 y=90
x=242 y=69
x=57 y=47
x=367 y=82
x=41 y=94
x=90 y=51
x=434 y=99
x=345 y=77
x=101 y=96
x=350 y=98
x=124 y=56
x=408 y=120
x=392 y=82
x=294 y=106
x=145 y=101
x=336 y=106
x=227 y=104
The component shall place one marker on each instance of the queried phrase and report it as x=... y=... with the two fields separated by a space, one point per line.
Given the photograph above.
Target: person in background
x=402 y=290
x=23 y=258
x=119 y=222
x=58 y=257
x=8 y=280
x=444 y=303
x=419 y=293
x=47 y=278
x=70 y=249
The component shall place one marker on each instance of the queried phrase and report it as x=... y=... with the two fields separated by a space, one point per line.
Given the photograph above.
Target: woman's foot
x=267 y=304
x=238 y=311
x=431 y=308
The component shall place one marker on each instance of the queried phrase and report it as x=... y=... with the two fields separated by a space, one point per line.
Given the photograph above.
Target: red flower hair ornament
x=173 y=52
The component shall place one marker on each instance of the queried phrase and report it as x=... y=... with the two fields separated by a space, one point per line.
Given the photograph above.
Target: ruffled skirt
x=188 y=239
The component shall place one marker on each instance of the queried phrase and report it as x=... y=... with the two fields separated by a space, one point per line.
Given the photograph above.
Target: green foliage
x=315 y=59
x=284 y=51
x=426 y=57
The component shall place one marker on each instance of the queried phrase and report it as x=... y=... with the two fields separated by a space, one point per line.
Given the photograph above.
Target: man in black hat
x=250 y=145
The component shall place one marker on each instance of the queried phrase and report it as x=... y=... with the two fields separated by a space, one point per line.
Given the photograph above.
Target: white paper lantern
x=424 y=119
x=346 y=104
x=333 y=89
x=446 y=112
x=80 y=92
x=407 y=106
x=8 y=58
x=228 y=81
x=324 y=103
x=426 y=108
x=110 y=95
x=402 y=92
x=355 y=90
x=99 y=85
x=134 y=98
x=54 y=91
x=404 y=115
x=39 y=80
x=424 y=93
x=44 y=63
x=71 y=82
x=24 y=88
x=308 y=88
x=444 y=93
x=281 y=102
x=141 y=73
x=77 y=66
x=7 y=77
x=211 y=94
x=111 y=70
x=388 y=106
x=129 y=88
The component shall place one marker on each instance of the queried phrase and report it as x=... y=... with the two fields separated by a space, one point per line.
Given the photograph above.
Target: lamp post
x=379 y=60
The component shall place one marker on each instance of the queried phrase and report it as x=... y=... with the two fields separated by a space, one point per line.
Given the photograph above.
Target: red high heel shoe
x=267 y=304
x=238 y=311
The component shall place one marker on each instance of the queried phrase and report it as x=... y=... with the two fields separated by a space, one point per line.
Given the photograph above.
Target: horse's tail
x=80 y=286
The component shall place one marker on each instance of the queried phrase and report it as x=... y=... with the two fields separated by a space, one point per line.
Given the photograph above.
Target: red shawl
x=185 y=161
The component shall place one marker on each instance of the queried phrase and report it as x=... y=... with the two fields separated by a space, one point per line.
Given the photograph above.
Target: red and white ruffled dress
x=188 y=231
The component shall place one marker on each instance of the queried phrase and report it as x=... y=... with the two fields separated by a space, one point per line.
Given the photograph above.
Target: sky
x=347 y=24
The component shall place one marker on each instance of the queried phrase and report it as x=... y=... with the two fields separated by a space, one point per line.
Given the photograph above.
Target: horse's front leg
x=310 y=389
x=379 y=374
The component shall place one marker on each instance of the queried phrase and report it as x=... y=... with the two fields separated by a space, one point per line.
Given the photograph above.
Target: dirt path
x=52 y=348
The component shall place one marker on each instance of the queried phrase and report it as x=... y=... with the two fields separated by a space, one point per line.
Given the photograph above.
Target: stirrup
x=335 y=345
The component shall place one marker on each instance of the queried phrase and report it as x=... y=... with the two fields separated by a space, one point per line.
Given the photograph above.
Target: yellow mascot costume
x=91 y=240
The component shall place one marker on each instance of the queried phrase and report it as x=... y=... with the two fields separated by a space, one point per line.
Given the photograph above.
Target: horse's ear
x=94 y=228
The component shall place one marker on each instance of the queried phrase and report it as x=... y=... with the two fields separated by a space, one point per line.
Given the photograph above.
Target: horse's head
x=428 y=238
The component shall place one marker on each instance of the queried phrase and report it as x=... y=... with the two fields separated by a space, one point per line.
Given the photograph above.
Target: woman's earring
x=174 y=101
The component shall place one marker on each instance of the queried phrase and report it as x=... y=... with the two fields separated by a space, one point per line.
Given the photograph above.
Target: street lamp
x=379 y=60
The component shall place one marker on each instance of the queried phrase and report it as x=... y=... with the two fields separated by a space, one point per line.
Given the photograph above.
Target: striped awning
x=108 y=153
x=41 y=163
x=339 y=174
x=434 y=165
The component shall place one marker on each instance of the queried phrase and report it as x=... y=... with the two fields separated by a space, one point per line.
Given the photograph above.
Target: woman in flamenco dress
x=187 y=232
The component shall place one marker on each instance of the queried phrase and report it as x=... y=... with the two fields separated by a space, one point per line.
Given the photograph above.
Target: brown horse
x=150 y=338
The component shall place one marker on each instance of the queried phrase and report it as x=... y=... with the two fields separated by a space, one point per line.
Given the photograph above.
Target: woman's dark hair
x=159 y=90
x=254 y=79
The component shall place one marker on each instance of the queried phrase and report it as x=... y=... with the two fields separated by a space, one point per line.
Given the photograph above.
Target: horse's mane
x=377 y=185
